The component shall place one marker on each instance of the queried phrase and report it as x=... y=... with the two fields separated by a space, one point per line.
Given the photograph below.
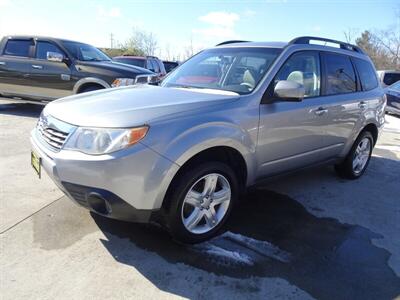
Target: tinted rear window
x=391 y=78
x=18 y=48
x=169 y=66
x=130 y=61
x=339 y=74
x=367 y=74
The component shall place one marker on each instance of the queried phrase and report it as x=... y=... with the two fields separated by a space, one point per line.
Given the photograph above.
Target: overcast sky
x=204 y=22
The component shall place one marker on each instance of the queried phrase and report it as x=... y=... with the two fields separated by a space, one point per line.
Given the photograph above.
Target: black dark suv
x=151 y=63
x=41 y=68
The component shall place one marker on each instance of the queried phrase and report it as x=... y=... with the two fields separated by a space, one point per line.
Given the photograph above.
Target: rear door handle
x=2 y=63
x=37 y=67
x=320 y=111
x=362 y=105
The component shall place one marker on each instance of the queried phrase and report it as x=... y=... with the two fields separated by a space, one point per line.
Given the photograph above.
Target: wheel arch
x=226 y=154
x=232 y=151
x=187 y=141
x=373 y=129
x=88 y=81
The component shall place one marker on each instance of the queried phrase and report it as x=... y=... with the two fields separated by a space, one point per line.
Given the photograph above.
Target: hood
x=132 y=106
x=115 y=66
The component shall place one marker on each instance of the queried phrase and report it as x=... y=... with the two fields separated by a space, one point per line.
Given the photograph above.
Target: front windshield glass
x=232 y=69
x=395 y=86
x=85 y=52
x=131 y=61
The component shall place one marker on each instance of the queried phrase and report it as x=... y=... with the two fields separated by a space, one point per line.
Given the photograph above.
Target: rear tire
x=356 y=162
x=201 y=200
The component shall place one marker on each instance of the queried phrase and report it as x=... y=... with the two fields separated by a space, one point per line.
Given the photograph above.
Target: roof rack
x=343 y=45
x=231 y=42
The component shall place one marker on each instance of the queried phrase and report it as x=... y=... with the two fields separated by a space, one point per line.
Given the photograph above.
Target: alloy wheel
x=361 y=155
x=206 y=203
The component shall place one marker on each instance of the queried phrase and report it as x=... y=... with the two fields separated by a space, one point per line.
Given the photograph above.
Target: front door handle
x=320 y=111
x=362 y=105
x=37 y=67
x=2 y=63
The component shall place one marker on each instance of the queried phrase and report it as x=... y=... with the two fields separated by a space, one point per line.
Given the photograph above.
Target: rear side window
x=391 y=78
x=339 y=74
x=43 y=47
x=155 y=66
x=367 y=74
x=161 y=66
x=150 y=65
x=18 y=48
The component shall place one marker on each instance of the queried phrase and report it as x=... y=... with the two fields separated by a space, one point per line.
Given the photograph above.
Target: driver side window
x=43 y=47
x=304 y=68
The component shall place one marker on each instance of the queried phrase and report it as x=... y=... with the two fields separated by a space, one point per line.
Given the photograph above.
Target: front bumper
x=392 y=110
x=131 y=182
x=107 y=204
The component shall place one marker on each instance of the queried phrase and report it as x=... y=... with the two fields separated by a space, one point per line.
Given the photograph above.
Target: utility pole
x=112 y=40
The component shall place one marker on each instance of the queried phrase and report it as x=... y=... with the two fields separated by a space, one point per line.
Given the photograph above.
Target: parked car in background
x=180 y=154
x=151 y=63
x=388 y=77
x=170 y=65
x=44 y=68
x=393 y=98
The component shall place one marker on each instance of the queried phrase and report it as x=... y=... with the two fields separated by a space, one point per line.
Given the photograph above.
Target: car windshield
x=395 y=86
x=231 y=69
x=85 y=52
x=391 y=78
x=131 y=61
x=169 y=65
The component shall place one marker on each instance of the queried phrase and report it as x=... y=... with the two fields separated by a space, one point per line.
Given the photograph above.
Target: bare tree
x=141 y=42
x=188 y=51
x=383 y=46
x=350 y=34
x=389 y=41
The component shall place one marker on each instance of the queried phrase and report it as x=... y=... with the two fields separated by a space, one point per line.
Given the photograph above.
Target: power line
x=112 y=40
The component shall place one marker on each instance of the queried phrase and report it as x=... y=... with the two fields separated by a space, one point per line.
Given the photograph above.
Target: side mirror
x=55 y=56
x=289 y=90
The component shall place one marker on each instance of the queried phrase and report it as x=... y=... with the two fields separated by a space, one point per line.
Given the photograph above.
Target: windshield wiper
x=95 y=59
x=187 y=86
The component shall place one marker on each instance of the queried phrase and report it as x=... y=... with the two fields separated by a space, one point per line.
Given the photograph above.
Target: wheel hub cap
x=361 y=155
x=206 y=203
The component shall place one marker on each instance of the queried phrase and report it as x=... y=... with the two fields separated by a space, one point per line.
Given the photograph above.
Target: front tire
x=357 y=160
x=201 y=201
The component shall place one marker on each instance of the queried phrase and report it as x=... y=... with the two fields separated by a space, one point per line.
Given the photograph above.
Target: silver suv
x=181 y=154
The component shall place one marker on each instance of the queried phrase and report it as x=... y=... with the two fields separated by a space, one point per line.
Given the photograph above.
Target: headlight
x=97 y=141
x=123 y=82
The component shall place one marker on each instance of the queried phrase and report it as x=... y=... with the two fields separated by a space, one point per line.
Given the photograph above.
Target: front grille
x=53 y=132
x=53 y=137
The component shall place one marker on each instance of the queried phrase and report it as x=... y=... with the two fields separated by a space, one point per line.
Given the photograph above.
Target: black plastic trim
x=343 y=45
x=118 y=208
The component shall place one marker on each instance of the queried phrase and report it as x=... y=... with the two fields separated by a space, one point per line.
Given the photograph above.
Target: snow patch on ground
x=392 y=124
x=233 y=256
x=263 y=248
x=388 y=147
x=235 y=249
